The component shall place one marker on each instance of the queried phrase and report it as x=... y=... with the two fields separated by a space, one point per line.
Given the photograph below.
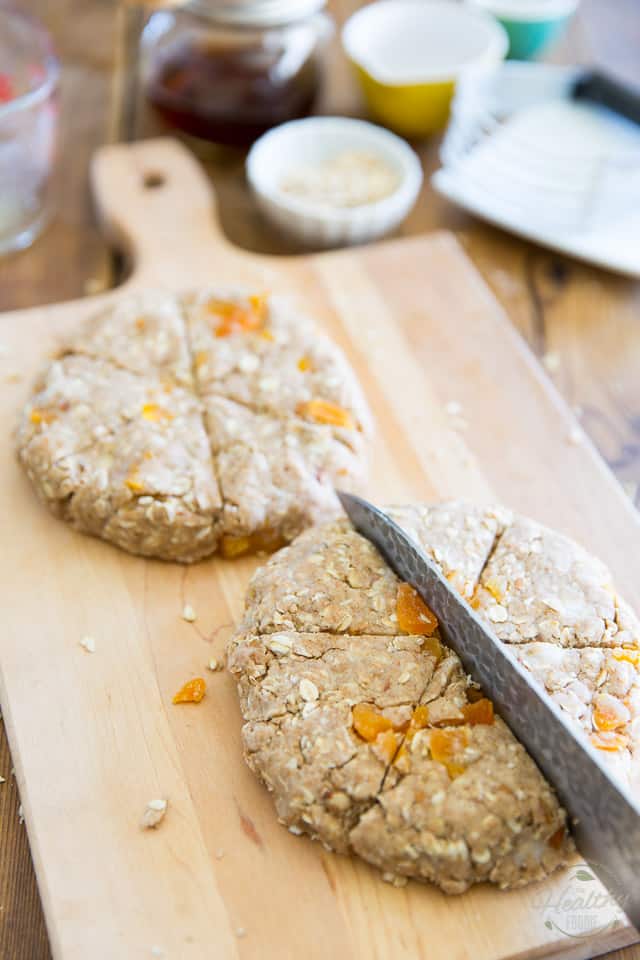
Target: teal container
x=531 y=25
x=529 y=39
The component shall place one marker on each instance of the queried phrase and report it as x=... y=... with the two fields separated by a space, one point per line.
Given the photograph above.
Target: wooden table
x=583 y=323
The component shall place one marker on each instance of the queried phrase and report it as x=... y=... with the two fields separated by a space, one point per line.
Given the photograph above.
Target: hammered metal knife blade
x=605 y=816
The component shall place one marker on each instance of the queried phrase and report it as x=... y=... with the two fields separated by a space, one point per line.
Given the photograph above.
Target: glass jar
x=227 y=71
x=28 y=127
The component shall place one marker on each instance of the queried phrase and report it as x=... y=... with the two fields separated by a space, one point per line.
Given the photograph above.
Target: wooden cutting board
x=94 y=737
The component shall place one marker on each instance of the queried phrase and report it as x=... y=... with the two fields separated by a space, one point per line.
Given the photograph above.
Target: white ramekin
x=310 y=141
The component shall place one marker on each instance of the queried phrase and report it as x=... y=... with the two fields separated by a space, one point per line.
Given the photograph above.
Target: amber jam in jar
x=229 y=76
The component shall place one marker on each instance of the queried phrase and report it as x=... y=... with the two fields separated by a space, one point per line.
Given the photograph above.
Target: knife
x=604 y=90
x=605 y=816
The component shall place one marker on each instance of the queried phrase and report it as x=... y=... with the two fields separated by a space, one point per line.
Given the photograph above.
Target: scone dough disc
x=175 y=426
x=369 y=734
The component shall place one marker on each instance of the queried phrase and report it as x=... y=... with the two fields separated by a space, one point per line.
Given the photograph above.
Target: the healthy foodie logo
x=581 y=906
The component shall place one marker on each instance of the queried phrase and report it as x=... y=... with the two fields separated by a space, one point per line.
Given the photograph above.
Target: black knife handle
x=601 y=88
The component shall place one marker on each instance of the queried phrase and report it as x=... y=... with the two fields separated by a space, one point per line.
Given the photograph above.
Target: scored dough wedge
x=174 y=426
x=369 y=738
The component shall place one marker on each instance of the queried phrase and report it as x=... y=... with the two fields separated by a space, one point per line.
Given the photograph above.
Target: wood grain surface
x=584 y=320
x=95 y=736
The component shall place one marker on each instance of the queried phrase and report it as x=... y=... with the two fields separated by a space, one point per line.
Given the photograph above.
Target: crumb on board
x=241 y=932
x=395 y=879
x=188 y=613
x=88 y=643
x=214 y=664
x=21 y=813
x=154 y=812
x=219 y=853
x=454 y=411
x=551 y=361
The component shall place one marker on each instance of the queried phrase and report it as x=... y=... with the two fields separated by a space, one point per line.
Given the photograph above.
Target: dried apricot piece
x=265 y=540
x=480 y=712
x=221 y=308
x=40 y=415
x=134 y=482
x=259 y=307
x=231 y=546
x=323 y=411
x=419 y=720
x=433 y=646
x=387 y=743
x=492 y=587
x=224 y=329
x=420 y=717
x=557 y=839
x=229 y=323
x=609 y=713
x=200 y=358
x=631 y=656
x=477 y=712
x=232 y=317
x=610 y=741
x=304 y=364
x=455 y=770
x=192 y=692
x=368 y=722
x=446 y=746
x=414 y=616
x=155 y=413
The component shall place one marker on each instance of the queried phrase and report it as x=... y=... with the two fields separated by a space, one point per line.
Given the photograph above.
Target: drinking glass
x=29 y=73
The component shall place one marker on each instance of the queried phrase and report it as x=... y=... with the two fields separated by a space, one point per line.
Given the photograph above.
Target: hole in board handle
x=153 y=179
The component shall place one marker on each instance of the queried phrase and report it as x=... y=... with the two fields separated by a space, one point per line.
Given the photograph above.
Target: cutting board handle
x=156 y=203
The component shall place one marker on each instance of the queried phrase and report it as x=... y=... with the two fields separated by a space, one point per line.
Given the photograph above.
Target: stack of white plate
x=522 y=154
